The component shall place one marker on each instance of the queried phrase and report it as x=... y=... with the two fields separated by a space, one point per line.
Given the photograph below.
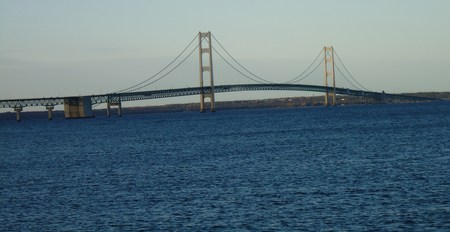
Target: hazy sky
x=57 y=48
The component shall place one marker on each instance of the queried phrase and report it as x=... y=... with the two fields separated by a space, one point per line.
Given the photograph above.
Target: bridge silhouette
x=81 y=106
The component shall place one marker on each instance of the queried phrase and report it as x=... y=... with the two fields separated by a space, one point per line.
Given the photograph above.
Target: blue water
x=374 y=167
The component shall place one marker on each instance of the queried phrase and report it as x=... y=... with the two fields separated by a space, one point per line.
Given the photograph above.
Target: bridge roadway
x=143 y=95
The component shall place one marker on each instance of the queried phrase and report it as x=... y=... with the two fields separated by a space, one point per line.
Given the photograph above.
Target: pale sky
x=58 y=48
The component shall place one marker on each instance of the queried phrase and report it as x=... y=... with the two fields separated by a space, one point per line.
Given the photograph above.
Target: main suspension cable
x=132 y=88
x=337 y=67
x=345 y=68
x=254 y=75
x=315 y=68
x=193 y=50
x=298 y=79
x=237 y=70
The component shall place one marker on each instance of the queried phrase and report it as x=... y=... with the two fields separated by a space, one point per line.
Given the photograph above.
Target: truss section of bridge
x=167 y=93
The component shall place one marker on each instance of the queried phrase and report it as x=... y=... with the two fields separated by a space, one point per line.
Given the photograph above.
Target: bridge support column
x=119 y=108
x=108 y=109
x=114 y=101
x=329 y=72
x=209 y=92
x=50 y=112
x=18 y=110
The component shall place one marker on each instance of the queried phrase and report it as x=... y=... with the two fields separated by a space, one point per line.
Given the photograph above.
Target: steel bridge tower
x=206 y=36
x=329 y=72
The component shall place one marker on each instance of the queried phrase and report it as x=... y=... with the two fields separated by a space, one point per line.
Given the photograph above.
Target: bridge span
x=81 y=106
x=116 y=99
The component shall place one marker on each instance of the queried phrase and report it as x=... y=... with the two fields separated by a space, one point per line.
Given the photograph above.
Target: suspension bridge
x=81 y=106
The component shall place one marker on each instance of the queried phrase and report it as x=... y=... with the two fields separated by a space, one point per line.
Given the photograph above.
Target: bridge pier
x=119 y=108
x=50 y=112
x=18 y=110
x=78 y=107
x=114 y=101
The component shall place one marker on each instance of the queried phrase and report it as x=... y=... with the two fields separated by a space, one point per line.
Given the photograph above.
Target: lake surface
x=373 y=167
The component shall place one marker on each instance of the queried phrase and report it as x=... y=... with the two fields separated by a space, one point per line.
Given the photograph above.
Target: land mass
x=291 y=102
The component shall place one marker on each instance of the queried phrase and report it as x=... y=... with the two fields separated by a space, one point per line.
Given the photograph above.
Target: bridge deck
x=143 y=95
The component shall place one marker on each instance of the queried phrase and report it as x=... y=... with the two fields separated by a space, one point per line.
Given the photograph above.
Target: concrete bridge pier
x=115 y=102
x=18 y=110
x=78 y=107
x=50 y=112
x=108 y=109
x=119 y=108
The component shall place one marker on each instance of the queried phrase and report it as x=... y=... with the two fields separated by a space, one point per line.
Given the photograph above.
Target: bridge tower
x=329 y=72
x=209 y=93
